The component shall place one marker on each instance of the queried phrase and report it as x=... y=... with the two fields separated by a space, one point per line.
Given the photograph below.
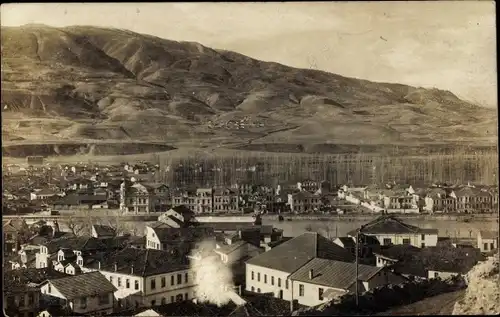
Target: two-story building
x=20 y=298
x=14 y=231
x=162 y=237
x=389 y=230
x=470 y=199
x=322 y=280
x=225 y=200
x=304 y=202
x=439 y=200
x=185 y=197
x=86 y=294
x=270 y=272
x=148 y=277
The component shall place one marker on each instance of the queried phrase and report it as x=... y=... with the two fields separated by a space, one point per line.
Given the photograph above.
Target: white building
x=147 y=277
x=270 y=272
x=487 y=241
x=389 y=230
x=89 y=294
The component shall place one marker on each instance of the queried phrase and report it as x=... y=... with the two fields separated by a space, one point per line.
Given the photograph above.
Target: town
x=204 y=238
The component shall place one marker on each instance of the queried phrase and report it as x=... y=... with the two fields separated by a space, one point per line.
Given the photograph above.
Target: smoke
x=213 y=278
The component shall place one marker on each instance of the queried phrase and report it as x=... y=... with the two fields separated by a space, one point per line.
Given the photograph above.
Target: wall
x=311 y=293
x=267 y=287
x=442 y=275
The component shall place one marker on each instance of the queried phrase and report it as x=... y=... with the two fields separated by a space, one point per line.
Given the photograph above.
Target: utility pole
x=357 y=263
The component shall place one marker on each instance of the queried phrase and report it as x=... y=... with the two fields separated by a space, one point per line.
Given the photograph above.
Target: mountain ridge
x=91 y=83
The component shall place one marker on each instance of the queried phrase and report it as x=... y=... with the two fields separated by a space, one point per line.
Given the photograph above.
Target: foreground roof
x=390 y=225
x=88 y=284
x=335 y=274
x=293 y=254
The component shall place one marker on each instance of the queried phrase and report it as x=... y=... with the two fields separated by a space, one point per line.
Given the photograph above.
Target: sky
x=444 y=44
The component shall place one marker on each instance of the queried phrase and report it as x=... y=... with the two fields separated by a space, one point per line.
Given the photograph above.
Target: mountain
x=96 y=84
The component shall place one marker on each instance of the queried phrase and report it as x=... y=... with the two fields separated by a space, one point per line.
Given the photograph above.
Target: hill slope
x=87 y=83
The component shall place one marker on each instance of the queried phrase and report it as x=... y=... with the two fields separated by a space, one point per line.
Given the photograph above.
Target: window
x=136 y=285
x=119 y=281
x=172 y=280
x=492 y=246
x=253 y=289
x=31 y=299
x=111 y=279
x=279 y=282
x=179 y=279
x=163 y=301
x=186 y=278
x=171 y=299
x=265 y=278
x=153 y=284
x=153 y=302
x=186 y=296
x=387 y=241
x=127 y=283
x=320 y=293
x=272 y=280
x=423 y=237
x=83 y=302
x=178 y=298
x=301 y=290
x=163 y=282
x=286 y=284
x=104 y=299
x=422 y=245
x=258 y=290
x=49 y=289
x=406 y=241
x=252 y=275
x=486 y=246
x=258 y=276
x=436 y=274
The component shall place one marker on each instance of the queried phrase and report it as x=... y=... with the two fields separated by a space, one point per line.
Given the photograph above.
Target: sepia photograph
x=250 y=159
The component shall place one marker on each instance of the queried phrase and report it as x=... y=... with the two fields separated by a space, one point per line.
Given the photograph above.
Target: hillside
x=86 y=83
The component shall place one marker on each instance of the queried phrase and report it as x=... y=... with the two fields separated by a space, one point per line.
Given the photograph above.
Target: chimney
x=311 y=275
x=99 y=265
x=132 y=269
x=116 y=266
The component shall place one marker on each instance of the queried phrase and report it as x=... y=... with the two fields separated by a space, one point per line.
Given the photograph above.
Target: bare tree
x=79 y=223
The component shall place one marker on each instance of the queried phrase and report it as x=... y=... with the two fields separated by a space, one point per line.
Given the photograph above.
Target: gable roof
x=144 y=262
x=227 y=249
x=183 y=210
x=168 y=234
x=335 y=274
x=32 y=275
x=389 y=225
x=293 y=254
x=490 y=235
x=88 y=284
x=76 y=243
x=103 y=230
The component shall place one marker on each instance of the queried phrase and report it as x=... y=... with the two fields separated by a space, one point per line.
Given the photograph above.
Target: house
x=347 y=243
x=322 y=280
x=148 y=277
x=225 y=199
x=87 y=294
x=161 y=237
x=43 y=194
x=487 y=241
x=143 y=197
x=263 y=236
x=185 y=197
x=269 y=272
x=20 y=298
x=177 y=216
x=304 y=202
x=439 y=200
x=470 y=199
x=236 y=251
x=308 y=185
x=14 y=231
x=389 y=255
x=204 y=200
x=399 y=201
x=101 y=231
x=390 y=230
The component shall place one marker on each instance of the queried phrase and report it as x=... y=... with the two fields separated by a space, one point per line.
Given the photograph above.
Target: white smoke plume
x=213 y=278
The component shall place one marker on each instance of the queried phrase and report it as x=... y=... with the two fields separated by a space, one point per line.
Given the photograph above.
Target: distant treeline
x=273 y=168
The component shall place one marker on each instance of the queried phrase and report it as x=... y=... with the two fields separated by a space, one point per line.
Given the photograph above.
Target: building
x=178 y=216
x=20 y=297
x=487 y=241
x=225 y=200
x=185 y=197
x=439 y=200
x=235 y=251
x=34 y=160
x=162 y=237
x=322 y=280
x=147 y=277
x=143 y=198
x=399 y=201
x=389 y=230
x=102 y=231
x=470 y=199
x=304 y=201
x=86 y=294
x=14 y=232
x=270 y=272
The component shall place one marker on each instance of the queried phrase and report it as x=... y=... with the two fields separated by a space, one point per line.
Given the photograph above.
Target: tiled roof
x=226 y=226
x=389 y=225
x=348 y=242
x=488 y=234
x=76 y=243
x=33 y=275
x=102 y=230
x=183 y=234
x=88 y=284
x=398 y=252
x=335 y=274
x=293 y=254
x=231 y=247
x=145 y=262
x=183 y=210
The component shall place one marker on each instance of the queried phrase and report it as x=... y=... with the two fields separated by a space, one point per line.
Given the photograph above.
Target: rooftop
x=390 y=225
x=88 y=284
x=293 y=254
